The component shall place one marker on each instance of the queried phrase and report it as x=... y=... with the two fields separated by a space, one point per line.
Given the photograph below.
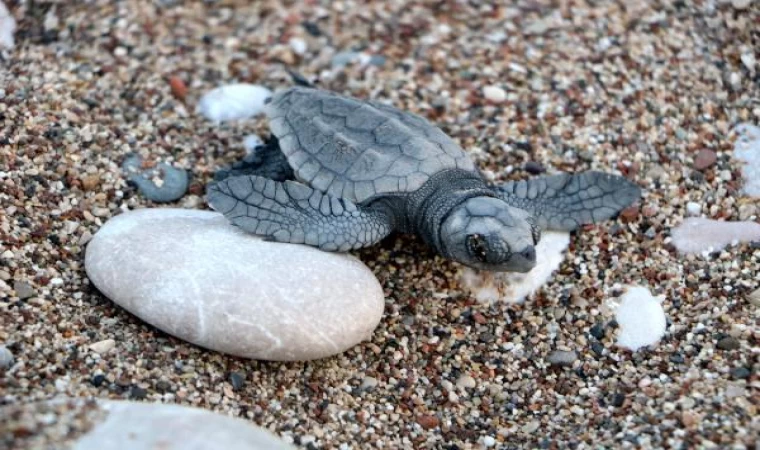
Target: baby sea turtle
x=342 y=173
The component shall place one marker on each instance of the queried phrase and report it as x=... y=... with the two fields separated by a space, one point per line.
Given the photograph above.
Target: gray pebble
x=237 y=381
x=23 y=290
x=562 y=358
x=369 y=383
x=728 y=343
x=343 y=59
x=175 y=184
x=6 y=357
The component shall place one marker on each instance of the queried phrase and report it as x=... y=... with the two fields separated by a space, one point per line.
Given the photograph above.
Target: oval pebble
x=99 y=424
x=193 y=275
x=233 y=102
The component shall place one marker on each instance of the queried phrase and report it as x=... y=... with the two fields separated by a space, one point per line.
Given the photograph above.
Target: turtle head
x=486 y=233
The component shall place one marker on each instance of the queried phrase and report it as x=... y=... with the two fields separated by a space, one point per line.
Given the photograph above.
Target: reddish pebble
x=179 y=88
x=479 y=318
x=630 y=213
x=427 y=422
x=705 y=158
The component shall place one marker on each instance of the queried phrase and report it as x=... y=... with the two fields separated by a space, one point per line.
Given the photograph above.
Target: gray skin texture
x=349 y=172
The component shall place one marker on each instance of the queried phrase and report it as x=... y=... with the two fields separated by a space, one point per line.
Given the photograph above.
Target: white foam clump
x=233 y=102
x=641 y=318
x=512 y=287
x=747 y=150
x=699 y=235
x=7 y=27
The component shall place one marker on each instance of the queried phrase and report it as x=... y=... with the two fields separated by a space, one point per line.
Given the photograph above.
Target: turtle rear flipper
x=567 y=201
x=293 y=212
x=265 y=160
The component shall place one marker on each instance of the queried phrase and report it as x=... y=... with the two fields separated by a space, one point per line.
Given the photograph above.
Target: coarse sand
x=638 y=88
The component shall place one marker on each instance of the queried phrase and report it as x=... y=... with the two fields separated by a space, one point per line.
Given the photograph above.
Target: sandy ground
x=616 y=86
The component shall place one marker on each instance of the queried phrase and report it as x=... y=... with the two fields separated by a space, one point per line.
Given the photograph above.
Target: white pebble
x=693 y=209
x=641 y=318
x=466 y=382
x=233 y=102
x=747 y=151
x=7 y=27
x=494 y=94
x=6 y=357
x=489 y=441
x=698 y=235
x=137 y=425
x=298 y=45
x=748 y=59
x=102 y=347
x=194 y=275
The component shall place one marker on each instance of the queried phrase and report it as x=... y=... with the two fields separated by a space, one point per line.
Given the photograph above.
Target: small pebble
x=103 y=346
x=531 y=427
x=494 y=94
x=298 y=45
x=23 y=290
x=534 y=168
x=175 y=181
x=741 y=4
x=178 y=87
x=489 y=441
x=704 y=159
x=6 y=357
x=428 y=422
x=562 y=357
x=466 y=382
x=740 y=373
x=138 y=393
x=368 y=383
x=98 y=380
x=237 y=380
x=728 y=343
x=693 y=209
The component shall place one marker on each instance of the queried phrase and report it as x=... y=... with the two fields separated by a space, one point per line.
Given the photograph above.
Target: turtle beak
x=524 y=260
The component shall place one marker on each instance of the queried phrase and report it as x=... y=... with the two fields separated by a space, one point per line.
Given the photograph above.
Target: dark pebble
x=728 y=343
x=524 y=145
x=676 y=358
x=163 y=386
x=597 y=348
x=237 y=380
x=487 y=337
x=597 y=331
x=98 y=380
x=740 y=373
x=534 y=168
x=312 y=28
x=138 y=393
x=618 y=399
x=176 y=181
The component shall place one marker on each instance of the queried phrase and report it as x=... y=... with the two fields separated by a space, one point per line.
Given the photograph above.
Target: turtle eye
x=477 y=247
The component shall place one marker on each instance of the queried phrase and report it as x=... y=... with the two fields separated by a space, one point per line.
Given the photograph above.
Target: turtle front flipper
x=567 y=201
x=293 y=212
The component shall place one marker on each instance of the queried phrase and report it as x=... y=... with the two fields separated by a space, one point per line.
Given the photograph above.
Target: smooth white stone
x=641 y=318
x=7 y=27
x=494 y=94
x=233 y=102
x=513 y=287
x=193 y=275
x=747 y=150
x=698 y=235
x=127 y=425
